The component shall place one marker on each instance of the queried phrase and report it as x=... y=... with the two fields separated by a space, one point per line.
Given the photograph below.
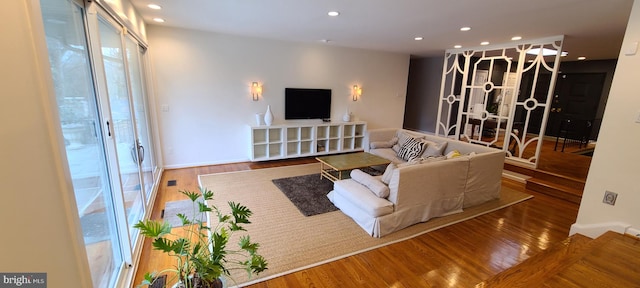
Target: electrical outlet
x=610 y=198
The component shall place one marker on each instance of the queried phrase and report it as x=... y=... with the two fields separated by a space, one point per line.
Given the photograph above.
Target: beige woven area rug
x=291 y=242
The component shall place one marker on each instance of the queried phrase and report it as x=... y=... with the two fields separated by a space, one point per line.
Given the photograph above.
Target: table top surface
x=352 y=160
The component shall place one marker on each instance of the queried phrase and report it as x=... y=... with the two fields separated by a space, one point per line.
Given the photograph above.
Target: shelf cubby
x=291 y=140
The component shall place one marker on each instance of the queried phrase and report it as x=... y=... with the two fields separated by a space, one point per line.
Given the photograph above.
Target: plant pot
x=219 y=283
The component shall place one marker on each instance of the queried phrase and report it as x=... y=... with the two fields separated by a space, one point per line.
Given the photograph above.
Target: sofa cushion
x=357 y=195
x=386 y=177
x=387 y=153
x=384 y=144
x=434 y=149
x=374 y=184
x=411 y=149
x=403 y=137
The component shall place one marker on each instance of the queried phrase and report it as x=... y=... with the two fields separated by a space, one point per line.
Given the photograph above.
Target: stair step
x=556 y=185
x=521 y=178
x=519 y=169
x=560 y=179
x=607 y=261
x=572 y=194
x=542 y=265
x=611 y=261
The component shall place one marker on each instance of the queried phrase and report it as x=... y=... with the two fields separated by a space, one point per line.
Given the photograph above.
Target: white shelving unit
x=294 y=139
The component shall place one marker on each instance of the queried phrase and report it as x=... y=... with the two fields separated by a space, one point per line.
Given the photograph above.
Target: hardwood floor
x=459 y=255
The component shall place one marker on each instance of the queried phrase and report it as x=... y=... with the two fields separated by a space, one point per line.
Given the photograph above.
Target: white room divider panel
x=499 y=96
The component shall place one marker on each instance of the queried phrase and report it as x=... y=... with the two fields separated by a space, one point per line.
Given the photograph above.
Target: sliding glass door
x=80 y=121
x=122 y=124
x=100 y=85
x=136 y=56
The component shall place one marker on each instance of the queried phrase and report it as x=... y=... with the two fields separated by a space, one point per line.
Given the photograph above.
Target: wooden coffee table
x=334 y=167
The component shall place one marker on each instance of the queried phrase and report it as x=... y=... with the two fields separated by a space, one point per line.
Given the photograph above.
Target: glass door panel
x=79 y=118
x=135 y=55
x=122 y=122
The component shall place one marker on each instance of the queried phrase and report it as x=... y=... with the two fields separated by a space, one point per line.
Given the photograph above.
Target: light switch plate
x=164 y=108
x=631 y=49
x=638 y=117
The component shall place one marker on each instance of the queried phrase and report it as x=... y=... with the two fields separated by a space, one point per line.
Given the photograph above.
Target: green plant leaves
x=203 y=207
x=240 y=215
x=153 y=229
x=184 y=219
x=192 y=195
x=205 y=255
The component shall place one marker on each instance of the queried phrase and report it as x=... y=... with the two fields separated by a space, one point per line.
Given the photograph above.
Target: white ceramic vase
x=268 y=116
x=347 y=116
x=259 y=119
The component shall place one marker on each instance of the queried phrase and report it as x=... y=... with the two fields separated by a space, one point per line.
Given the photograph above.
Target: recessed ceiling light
x=418 y=38
x=457 y=46
x=546 y=52
x=333 y=13
x=582 y=58
x=159 y=20
x=154 y=6
x=325 y=40
x=516 y=38
x=465 y=28
x=484 y=43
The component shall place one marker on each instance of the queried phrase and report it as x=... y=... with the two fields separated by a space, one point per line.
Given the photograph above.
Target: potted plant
x=202 y=253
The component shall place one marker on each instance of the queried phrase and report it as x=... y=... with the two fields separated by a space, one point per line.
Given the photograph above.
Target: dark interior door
x=575 y=101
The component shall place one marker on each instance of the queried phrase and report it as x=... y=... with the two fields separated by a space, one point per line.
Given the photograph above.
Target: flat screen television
x=304 y=103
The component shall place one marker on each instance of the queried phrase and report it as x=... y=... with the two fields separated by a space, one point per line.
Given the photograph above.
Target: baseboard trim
x=595 y=230
x=191 y=165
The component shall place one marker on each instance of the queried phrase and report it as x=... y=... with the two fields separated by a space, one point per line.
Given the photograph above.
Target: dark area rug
x=309 y=193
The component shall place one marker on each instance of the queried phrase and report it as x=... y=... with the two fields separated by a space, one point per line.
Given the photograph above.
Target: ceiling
x=592 y=28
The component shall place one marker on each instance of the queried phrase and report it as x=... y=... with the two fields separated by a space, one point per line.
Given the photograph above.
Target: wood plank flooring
x=460 y=255
x=565 y=264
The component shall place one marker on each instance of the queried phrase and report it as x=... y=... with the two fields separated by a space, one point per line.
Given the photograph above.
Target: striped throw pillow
x=411 y=149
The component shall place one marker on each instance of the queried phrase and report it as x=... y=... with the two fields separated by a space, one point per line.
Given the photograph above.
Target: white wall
x=616 y=161
x=36 y=211
x=204 y=79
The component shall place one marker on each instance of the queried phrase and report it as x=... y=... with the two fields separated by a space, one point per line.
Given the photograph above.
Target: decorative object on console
x=347 y=116
x=356 y=92
x=268 y=116
x=259 y=119
x=256 y=90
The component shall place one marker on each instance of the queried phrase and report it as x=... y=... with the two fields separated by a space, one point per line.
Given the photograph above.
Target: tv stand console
x=293 y=140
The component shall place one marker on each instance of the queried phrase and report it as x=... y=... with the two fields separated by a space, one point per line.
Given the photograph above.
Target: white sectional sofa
x=427 y=186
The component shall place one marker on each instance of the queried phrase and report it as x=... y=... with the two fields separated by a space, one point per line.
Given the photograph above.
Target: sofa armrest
x=439 y=185
x=378 y=135
x=484 y=179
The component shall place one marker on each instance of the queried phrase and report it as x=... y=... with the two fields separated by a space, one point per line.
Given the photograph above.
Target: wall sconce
x=256 y=90
x=356 y=92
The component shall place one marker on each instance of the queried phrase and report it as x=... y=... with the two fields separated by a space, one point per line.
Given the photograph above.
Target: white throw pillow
x=384 y=144
x=376 y=186
x=386 y=177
